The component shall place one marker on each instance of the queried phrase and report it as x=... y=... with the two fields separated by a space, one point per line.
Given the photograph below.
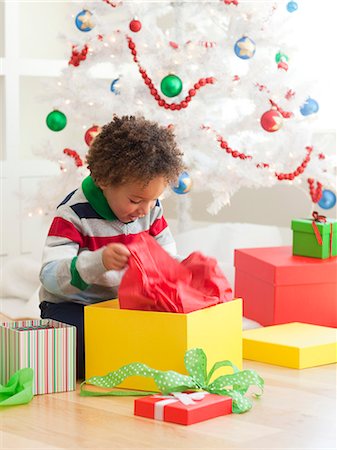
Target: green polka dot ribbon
x=234 y=385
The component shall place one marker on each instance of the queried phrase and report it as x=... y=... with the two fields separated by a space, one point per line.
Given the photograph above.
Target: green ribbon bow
x=234 y=385
x=19 y=389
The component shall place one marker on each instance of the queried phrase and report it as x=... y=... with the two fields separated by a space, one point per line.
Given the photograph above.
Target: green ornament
x=281 y=57
x=56 y=120
x=171 y=85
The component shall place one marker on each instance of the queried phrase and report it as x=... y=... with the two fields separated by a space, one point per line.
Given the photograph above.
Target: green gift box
x=315 y=238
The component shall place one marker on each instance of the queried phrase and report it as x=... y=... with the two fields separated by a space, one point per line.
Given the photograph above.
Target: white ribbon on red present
x=182 y=397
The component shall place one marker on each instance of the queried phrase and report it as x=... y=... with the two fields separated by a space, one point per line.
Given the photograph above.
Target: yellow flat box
x=115 y=337
x=296 y=345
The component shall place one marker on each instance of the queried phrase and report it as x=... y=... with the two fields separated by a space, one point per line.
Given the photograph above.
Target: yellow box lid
x=295 y=334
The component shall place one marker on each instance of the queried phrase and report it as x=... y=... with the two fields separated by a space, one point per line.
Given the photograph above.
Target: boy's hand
x=115 y=256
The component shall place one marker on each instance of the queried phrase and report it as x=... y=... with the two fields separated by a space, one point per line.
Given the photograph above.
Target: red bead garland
x=154 y=92
x=300 y=169
x=234 y=153
x=262 y=87
x=224 y=145
x=285 y=114
x=114 y=5
x=207 y=44
x=75 y=155
x=280 y=176
x=76 y=56
x=315 y=194
x=282 y=65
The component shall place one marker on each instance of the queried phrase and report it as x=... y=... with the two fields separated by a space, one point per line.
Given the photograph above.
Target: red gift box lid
x=277 y=265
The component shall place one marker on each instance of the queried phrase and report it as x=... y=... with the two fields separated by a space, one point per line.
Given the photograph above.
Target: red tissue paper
x=154 y=281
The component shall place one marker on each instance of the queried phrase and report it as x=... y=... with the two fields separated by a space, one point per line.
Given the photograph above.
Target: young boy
x=131 y=162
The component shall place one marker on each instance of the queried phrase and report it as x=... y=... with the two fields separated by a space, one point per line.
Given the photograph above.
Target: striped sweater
x=72 y=267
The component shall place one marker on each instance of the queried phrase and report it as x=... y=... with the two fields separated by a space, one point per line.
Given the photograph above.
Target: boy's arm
x=65 y=271
x=160 y=230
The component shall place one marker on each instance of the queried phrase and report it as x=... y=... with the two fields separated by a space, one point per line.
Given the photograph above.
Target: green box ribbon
x=234 y=385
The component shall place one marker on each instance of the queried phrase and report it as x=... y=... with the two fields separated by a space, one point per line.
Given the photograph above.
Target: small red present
x=183 y=408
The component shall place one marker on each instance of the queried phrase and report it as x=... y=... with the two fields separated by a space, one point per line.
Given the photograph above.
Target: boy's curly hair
x=130 y=148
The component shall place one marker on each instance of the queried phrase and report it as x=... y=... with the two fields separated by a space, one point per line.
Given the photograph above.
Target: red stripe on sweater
x=63 y=228
x=94 y=243
x=158 y=226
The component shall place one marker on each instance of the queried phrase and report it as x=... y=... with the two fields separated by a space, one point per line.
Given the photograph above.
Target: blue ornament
x=113 y=87
x=83 y=20
x=184 y=184
x=328 y=199
x=292 y=6
x=245 y=48
x=309 y=107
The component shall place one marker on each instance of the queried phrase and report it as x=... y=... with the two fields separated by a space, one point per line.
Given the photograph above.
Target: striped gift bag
x=47 y=346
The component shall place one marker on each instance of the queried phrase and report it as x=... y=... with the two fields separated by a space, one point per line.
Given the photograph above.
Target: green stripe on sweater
x=76 y=279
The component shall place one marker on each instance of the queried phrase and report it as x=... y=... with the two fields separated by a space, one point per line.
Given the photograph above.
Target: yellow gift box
x=115 y=337
x=296 y=345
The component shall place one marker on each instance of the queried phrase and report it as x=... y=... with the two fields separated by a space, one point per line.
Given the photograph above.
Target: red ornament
x=271 y=120
x=91 y=133
x=282 y=65
x=135 y=25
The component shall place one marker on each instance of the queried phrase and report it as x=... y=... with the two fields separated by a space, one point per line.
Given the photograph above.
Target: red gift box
x=184 y=409
x=277 y=287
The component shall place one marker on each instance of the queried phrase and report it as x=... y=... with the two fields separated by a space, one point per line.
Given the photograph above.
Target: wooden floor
x=297 y=411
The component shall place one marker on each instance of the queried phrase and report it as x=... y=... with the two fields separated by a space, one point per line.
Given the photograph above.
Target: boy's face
x=132 y=200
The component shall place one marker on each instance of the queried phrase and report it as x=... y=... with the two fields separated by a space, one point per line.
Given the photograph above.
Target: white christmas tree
x=224 y=74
